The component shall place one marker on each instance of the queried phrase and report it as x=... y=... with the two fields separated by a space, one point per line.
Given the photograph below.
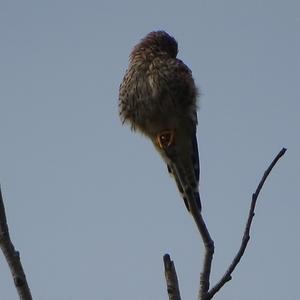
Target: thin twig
x=246 y=237
x=12 y=256
x=208 y=255
x=171 y=278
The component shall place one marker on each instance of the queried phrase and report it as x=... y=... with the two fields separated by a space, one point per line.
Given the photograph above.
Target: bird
x=158 y=98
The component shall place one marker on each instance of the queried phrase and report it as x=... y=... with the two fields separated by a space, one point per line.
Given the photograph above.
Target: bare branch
x=171 y=278
x=208 y=245
x=246 y=237
x=12 y=256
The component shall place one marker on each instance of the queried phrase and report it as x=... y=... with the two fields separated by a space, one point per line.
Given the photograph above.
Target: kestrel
x=158 y=98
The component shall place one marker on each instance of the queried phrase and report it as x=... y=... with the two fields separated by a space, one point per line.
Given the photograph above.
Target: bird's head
x=156 y=43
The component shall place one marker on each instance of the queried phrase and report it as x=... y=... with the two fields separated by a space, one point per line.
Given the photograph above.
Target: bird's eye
x=165 y=139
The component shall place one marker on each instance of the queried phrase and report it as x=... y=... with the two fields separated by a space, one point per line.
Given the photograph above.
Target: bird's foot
x=165 y=138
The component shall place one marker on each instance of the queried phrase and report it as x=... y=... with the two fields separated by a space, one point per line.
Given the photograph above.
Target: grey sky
x=90 y=205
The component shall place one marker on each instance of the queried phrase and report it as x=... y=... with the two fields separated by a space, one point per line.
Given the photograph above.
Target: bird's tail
x=188 y=188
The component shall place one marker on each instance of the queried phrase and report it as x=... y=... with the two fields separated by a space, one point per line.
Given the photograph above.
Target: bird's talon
x=165 y=138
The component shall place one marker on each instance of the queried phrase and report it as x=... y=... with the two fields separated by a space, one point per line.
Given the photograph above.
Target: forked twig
x=204 y=292
x=246 y=237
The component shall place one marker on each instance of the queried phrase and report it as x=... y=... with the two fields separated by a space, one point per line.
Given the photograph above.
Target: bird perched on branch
x=158 y=98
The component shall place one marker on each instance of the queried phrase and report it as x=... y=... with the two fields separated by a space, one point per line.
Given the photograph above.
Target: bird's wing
x=195 y=156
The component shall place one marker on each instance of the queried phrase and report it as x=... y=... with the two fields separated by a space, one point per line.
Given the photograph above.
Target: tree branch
x=12 y=256
x=208 y=246
x=171 y=278
x=246 y=237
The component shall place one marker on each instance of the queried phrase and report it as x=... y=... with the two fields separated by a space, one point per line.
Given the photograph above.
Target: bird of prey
x=158 y=98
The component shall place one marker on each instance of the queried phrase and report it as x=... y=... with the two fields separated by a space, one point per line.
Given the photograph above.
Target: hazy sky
x=90 y=205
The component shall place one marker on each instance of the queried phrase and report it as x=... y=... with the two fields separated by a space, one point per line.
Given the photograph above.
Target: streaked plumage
x=158 y=97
